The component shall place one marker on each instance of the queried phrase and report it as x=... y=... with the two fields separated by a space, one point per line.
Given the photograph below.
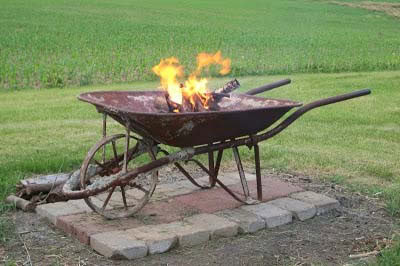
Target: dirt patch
x=361 y=225
x=391 y=9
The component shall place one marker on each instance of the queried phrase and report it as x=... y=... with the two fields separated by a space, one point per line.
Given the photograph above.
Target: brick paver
x=83 y=226
x=300 y=210
x=321 y=202
x=156 y=239
x=218 y=226
x=273 y=216
x=187 y=233
x=118 y=245
x=248 y=222
x=54 y=210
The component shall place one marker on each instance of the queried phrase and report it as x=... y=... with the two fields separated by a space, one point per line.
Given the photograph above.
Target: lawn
x=354 y=142
x=70 y=43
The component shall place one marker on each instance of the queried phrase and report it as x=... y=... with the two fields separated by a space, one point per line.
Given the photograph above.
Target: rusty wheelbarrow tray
x=114 y=164
x=240 y=115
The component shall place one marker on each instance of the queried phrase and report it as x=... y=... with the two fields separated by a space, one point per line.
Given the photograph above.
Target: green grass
x=70 y=43
x=390 y=257
x=354 y=142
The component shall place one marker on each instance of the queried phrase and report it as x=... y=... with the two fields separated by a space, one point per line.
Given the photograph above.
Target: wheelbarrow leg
x=258 y=171
x=104 y=135
x=211 y=168
x=127 y=137
x=218 y=163
x=241 y=173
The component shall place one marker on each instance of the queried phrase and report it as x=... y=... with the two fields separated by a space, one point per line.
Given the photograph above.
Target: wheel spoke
x=115 y=151
x=107 y=199
x=124 y=197
x=134 y=150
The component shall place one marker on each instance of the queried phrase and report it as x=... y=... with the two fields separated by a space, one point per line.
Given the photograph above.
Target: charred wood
x=198 y=102
x=229 y=87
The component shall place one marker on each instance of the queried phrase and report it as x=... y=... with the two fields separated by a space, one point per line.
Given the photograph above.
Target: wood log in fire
x=229 y=87
x=197 y=104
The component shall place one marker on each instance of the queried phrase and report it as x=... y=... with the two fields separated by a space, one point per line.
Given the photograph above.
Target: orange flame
x=169 y=70
x=204 y=60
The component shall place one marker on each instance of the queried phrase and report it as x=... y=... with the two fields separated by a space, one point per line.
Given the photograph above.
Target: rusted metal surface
x=242 y=176
x=211 y=168
x=249 y=141
x=258 y=171
x=239 y=115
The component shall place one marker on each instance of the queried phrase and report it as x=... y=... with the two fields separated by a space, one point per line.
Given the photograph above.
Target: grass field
x=68 y=43
x=354 y=142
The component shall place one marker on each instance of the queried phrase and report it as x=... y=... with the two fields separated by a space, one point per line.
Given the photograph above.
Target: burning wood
x=193 y=95
x=229 y=87
x=202 y=102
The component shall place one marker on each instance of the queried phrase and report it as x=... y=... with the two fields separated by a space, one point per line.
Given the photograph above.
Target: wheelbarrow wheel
x=104 y=163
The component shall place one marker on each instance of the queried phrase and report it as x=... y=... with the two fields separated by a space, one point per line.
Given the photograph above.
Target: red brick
x=166 y=211
x=272 y=188
x=209 y=201
x=82 y=226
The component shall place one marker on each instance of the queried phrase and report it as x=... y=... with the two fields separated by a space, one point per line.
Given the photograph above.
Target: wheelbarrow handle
x=268 y=87
x=334 y=99
x=302 y=110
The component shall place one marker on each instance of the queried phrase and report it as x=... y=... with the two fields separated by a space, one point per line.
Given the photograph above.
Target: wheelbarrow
x=129 y=162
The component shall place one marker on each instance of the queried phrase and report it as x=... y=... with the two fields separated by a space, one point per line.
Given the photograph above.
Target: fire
x=204 y=60
x=194 y=89
x=169 y=71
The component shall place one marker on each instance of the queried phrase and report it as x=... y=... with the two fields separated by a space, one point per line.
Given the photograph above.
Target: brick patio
x=180 y=214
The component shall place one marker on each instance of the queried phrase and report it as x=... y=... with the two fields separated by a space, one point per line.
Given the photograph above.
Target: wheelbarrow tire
x=96 y=165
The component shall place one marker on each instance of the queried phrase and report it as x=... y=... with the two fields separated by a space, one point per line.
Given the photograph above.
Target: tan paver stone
x=204 y=180
x=177 y=188
x=321 y=202
x=135 y=193
x=248 y=222
x=218 y=226
x=226 y=178
x=81 y=204
x=236 y=176
x=156 y=239
x=53 y=210
x=118 y=245
x=188 y=234
x=273 y=216
x=300 y=210
x=116 y=199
